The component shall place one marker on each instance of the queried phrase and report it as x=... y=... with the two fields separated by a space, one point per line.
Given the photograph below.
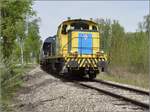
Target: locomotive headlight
x=98 y=54
x=101 y=53
x=71 y=53
x=75 y=54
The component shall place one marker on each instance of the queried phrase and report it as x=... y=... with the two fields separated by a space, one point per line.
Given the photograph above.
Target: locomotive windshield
x=94 y=28
x=80 y=26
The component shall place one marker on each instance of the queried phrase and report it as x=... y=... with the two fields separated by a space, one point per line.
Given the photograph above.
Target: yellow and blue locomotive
x=75 y=49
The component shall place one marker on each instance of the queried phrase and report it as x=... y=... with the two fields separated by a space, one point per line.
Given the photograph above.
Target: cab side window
x=64 y=29
x=94 y=28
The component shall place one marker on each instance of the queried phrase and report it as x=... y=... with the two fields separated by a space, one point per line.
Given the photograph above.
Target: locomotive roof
x=78 y=20
x=49 y=39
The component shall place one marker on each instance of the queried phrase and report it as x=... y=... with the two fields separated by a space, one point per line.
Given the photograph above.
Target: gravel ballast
x=42 y=92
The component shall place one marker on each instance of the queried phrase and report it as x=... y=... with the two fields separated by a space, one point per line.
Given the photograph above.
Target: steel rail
x=146 y=92
x=133 y=101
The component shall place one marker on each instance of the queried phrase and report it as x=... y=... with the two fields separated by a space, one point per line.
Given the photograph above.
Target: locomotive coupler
x=86 y=70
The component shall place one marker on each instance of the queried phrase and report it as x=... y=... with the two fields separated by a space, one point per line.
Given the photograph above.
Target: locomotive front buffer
x=87 y=65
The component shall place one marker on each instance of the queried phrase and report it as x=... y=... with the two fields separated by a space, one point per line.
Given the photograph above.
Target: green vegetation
x=19 y=32
x=140 y=80
x=127 y=51
x=11 y=81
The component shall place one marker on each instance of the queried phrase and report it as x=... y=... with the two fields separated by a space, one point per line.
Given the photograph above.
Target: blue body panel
x=84 y=43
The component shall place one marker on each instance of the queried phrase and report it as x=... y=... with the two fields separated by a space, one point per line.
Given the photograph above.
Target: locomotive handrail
x=67 y=43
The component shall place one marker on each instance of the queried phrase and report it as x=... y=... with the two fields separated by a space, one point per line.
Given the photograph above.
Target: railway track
x=130 y=94
x=133 y=95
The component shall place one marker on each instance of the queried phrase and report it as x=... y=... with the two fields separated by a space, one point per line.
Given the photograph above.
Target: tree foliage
x=16 y=35
x=17 y=31
x=126 y=49
x=105 y=31
x=12 y=12
x=33 y=42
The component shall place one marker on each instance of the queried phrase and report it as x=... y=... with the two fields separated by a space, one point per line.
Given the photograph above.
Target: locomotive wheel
x=103 y=69
x=92 y=76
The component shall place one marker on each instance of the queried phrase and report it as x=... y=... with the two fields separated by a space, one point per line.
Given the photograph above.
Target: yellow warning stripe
x=82 y=62
x=90 y=62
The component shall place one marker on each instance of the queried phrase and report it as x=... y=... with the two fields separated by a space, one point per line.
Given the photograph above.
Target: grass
x=135 y=79
x=11 y=81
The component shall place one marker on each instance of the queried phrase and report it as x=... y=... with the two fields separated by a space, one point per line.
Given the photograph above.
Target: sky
x=52 y=13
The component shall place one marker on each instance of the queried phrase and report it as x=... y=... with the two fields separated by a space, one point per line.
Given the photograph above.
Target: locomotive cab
x=80 y=36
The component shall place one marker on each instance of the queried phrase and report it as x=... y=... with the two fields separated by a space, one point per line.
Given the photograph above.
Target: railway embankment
x=11 y=81
x=44 y=92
